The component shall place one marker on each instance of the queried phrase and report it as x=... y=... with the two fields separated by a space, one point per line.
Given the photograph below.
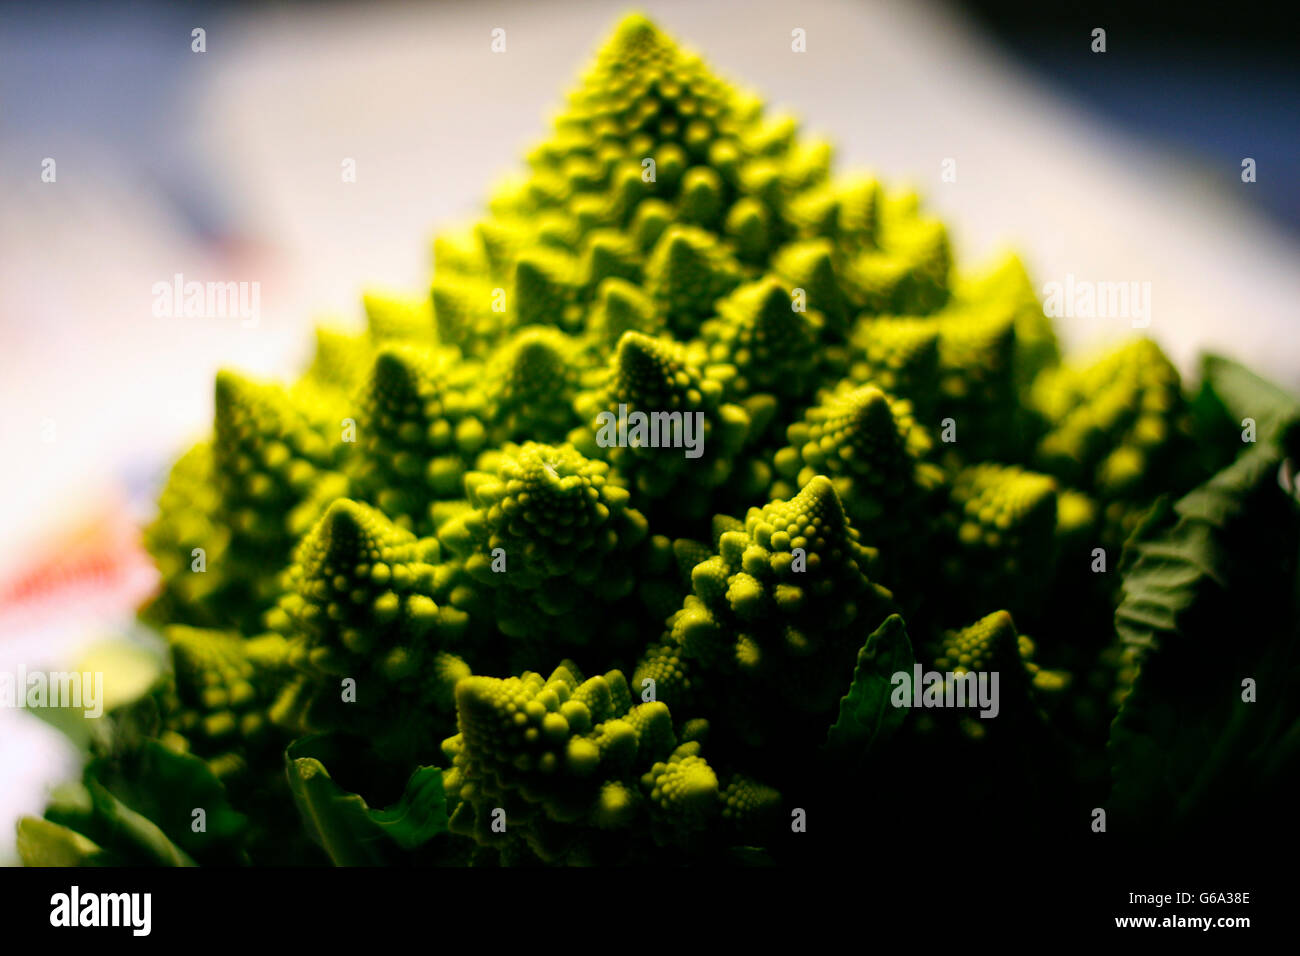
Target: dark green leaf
x=1243 y=394
x=867 y=717
x=90 y=822
x=167 y=788
x=1210 y=600
x=351 y=832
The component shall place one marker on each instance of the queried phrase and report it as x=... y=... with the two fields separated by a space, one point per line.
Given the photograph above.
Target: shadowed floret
x=266 y=460
x=873 y=451
x=992 y=646
x=241 y=501
x=977 y=386
x=990 y=643
x=810 y=265
x=688 y=272
x=420 y=425
x=325 y=396
x=749 y=804
x=545 y=289
x=701 y=197
x=1114 y=423
x=901 y=355
x=762 y=332
x=1007 y=285
x=469 y=311
x=1006 y=529
x=690 y=439
x=552 y=543
x=562 y=764
x=775 y=615
x=845 y=211
x=186 y=526
x=530 y=384
x=971 y=360
x=749 y=227
x=908 y=272
x=358 y=608
x=1119 y=429
x=609 y=254
x=224 y=687
x=621 y=307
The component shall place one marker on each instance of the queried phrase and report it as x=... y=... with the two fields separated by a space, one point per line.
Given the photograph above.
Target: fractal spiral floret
x=741 y=438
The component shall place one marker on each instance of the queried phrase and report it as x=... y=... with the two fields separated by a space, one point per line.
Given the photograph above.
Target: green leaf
x=166 y=787
x=136 y=831
x=45 y=843
x=107 y=831
x=138 y=808
x=1243 y=394
x=351 y=832
x=866 y=715
x=421 y=813
x=1210 y=600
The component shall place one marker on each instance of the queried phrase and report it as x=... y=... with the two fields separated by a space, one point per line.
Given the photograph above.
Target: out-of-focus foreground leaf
x=1211 y=602
x=351 y=832
x=151 y=806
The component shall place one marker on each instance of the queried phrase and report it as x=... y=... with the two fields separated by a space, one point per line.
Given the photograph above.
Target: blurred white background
x=225 y=165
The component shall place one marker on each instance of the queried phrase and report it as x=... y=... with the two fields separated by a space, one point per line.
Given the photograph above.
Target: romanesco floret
x=567 y=766
x=770 y=343
x=359 y=616
x=1115 y=425
x=658 y=376
x=551 y=545
x=680 y=404
x=775 y=615
x=225 y=686
x=420 y=427
x=874 y=452
x=530 y=386
x=1006 y=524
